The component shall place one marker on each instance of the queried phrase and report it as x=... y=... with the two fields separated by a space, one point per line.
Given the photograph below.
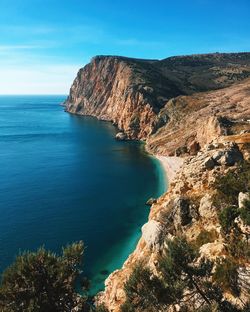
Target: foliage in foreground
x=179 y=282
x=43 y=281
x=229 y=185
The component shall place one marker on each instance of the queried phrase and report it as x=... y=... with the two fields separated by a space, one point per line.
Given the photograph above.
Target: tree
x=178 y=264
x=179 y=282
x=145 y=292
x=43 y=281
x=226 y=275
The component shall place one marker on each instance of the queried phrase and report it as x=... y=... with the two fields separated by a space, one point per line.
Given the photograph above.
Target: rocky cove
x=193 y=113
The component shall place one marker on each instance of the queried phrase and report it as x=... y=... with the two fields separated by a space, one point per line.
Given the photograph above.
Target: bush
x=227 y=217
x=144 y=291
x=43 y=281
x=178 y=274
x=100 y=308
x=245 y=212
x=226 y=276
x=233 y=182
x=238 y=246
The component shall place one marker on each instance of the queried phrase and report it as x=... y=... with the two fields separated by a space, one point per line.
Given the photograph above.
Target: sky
x=43 y=43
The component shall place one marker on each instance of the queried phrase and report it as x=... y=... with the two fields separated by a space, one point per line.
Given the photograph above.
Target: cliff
x=194 y=121
x=132 y=92
x=195 y=107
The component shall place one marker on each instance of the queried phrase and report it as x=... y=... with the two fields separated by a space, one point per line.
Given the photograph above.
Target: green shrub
x=226 y=276
x=227 y=217
x=233 y=182
x=144 y=291
x=100 y=308
x=245 y=212
x=238 y=246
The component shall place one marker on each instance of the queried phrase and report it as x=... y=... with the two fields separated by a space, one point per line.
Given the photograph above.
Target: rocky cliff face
x=195 y=120
x=188 y=209
x=196 y=107
x=123 y=91
x=132 y=92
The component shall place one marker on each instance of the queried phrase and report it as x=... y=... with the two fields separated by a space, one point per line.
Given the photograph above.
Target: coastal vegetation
x=182 y=276
x=43 y=281
x=47 y=282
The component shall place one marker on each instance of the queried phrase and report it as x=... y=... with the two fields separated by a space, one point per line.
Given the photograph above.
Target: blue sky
x=44 y=42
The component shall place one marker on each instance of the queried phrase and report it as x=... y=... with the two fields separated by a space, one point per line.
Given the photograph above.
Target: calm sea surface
x=64 y=178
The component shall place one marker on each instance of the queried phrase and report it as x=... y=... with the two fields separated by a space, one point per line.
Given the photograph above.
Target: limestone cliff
x=194 y=121
x=196 y=107
x=188 y=208
x=131 y=92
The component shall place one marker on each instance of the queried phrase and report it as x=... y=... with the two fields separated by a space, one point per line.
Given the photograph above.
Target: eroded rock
x=121 y=136
x=151 y=201
x=229 y=156
x=209 y=163
x=206 y=208
x=181 y=212
x=242 y=198
x=212 y=250
x=153 y=234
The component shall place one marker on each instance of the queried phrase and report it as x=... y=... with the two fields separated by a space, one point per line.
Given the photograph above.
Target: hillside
x=131 y=92
x=195 y=120
x=196 y=108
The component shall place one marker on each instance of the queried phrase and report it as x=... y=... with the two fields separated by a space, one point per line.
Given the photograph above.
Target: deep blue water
x=64 y=178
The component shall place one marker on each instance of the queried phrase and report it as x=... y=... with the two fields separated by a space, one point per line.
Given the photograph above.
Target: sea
x=64 y=178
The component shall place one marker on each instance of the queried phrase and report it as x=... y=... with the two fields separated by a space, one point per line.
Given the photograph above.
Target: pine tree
x=43 y=281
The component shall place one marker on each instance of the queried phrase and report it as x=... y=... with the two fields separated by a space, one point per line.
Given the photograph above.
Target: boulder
x=228 y=157
x=206 y=209
x=241 y=199
x=181 y=212
x=151 y=201
x=212 y=251
x=121 y=136
x=209 y=163
x=153 y=234
x=181 y=151
x=193 y=148
x=231 y=157
x=217 y=155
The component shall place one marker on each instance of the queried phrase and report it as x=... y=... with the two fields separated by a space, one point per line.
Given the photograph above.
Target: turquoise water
x=64 y=178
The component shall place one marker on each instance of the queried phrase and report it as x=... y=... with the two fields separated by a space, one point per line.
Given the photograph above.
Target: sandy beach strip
x=171 y=165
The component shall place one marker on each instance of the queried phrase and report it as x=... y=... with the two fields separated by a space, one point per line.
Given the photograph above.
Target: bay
x=63 y=178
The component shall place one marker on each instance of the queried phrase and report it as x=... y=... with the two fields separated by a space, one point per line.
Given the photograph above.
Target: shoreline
x=171 y=165
x=130 y=243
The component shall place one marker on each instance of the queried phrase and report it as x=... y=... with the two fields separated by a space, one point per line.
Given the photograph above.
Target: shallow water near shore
x=64 y=178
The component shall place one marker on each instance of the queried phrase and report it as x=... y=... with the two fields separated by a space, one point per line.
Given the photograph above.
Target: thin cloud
x=31 y=29
x=46 y=79
x=137 y=42
x=18 y=47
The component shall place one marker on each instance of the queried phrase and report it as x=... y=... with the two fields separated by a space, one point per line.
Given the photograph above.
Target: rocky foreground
x=193 y=107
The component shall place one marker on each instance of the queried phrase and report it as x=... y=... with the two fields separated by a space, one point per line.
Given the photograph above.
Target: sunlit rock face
x=134 y=94
x=195 y=107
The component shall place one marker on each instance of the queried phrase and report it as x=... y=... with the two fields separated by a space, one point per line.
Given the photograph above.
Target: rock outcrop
x=136 y=94
x=201 y=118
x=153 y=234
x=186 y=209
